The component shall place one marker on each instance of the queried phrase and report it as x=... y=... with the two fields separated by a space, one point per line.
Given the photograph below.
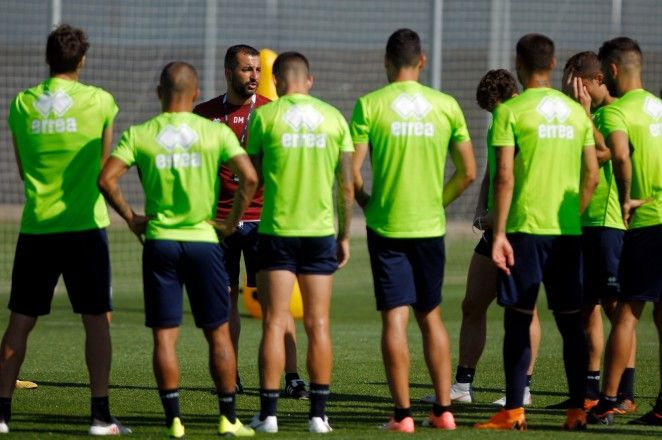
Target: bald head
x=178 y=79
x=292 y=73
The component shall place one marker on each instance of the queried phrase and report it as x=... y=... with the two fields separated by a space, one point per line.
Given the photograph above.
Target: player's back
x=550 y=132
x=638 y=113
x=409 y=128
x=178 y=155
x=300 y=139
x=604 y=209
x=58 y=127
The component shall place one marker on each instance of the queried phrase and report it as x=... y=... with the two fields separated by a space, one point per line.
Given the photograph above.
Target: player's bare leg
x=235 y=321
x=164 y=358
x=98 y=352
x=275 y=289
x=481 y=291
x=222 y=361
x=534 y=336
x=291 y=346
x=395 y=353
x=595 y=336
x=12 y=350
x=436 y=347
x=316 y=296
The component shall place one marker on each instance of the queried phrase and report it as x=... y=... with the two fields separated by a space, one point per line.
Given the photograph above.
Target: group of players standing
x=277 y=209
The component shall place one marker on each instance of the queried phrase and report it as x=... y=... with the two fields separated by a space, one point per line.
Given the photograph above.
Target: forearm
x=345 y=196
x=623 y=176
x=113 y=195
x=456 y=186
x=503 y=195
x=242 y=199
x=601 y=149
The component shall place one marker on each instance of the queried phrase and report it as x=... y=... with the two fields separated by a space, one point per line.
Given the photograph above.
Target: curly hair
x=496 y=86
x=65 y=47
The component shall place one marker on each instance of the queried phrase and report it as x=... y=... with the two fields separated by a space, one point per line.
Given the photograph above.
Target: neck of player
x=537 y=80
x=177 y=103
x=406 y=74
x=628 y=83
x=68 y=76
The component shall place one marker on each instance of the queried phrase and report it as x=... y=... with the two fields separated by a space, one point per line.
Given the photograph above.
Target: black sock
x=575 y=355
x=289 y=377
x=268 y=402
x=606 y=403
x=100 y=409
x=516 y=355
x=465 y=374
x=438 y=410
x=528 y=380
x=5 y=409
x=400 y=414
x=319 y=394
x=626 y=386
x=593 y=385
x=170 y=402
x=657 y=408
x=227 y=407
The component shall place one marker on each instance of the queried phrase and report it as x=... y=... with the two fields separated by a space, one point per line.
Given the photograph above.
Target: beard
x=245 y=90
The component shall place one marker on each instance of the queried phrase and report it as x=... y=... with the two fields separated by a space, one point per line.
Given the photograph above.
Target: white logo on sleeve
x=56 y=104
x=412 y=107
x=554 y=109
x=303 y=117
x=177 y=138
x=653 y=107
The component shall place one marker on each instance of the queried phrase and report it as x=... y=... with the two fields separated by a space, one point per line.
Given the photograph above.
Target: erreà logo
x=303 y=116
x=411 y=106
x=58 y=103
x=653 y=107
x=172 y=137
x=553 y=108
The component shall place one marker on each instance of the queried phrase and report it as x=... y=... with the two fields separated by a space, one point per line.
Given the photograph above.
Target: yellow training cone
x=266 y=86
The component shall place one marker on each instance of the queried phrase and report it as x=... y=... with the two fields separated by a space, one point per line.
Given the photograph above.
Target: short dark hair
x=290 y=61
x=230 y=61
x=583 y=65
x=403 y=48
x=614 y=50
x=496 y=86
x=65 y=47
x=536 y=52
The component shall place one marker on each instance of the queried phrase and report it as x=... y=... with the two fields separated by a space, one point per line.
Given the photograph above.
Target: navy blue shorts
x=80 y=257
x=554 y=261
x=641 y=265
x=601 y=256
x=243 y=240
x=407 y=271
x=167 y=266
x=300 y=255
x=484 y=246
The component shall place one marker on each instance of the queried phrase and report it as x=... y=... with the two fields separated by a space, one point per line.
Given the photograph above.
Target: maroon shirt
x=236 y=117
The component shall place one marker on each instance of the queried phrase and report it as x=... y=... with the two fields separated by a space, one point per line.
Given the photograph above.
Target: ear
x=422 y=61
x=600 y=78
x=553 y=65
x=196 y=94
x=81 y=63
x=228 y=74
x=613 y=69
x=309 y=81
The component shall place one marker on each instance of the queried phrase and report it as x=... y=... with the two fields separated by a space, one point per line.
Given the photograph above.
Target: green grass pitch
x=360 y=400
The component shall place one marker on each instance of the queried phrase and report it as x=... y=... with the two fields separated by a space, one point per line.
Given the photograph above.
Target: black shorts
x=81 y=258
x=601 y=256
x=641 y=265
x=407 y=271
x=243 y=240
x=300 y=255
x=167 y=266
x=554 y=261
x=484 y=246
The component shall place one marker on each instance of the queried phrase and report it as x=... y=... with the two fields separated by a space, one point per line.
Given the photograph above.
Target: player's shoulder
x=209 y=107
x=92 y=91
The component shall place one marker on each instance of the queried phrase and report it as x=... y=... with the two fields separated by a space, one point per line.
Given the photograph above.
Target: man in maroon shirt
x=234 y=108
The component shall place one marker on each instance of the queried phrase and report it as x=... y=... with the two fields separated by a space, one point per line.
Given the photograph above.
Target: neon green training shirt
x=58 y=126
x=408 y=127
x=638 y=114
x=178 y=156
x=550 y=131
x=300 y=139
x=604 y=210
